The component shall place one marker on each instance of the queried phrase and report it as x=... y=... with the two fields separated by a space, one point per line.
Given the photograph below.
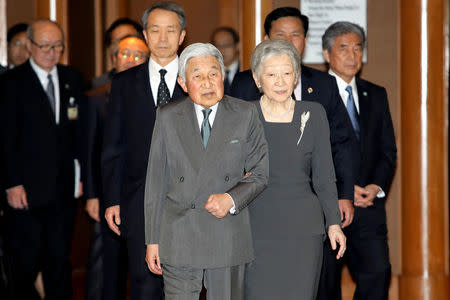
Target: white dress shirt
x=42 y=75
x=298 y=90
x=155 y=77
x=342 y=85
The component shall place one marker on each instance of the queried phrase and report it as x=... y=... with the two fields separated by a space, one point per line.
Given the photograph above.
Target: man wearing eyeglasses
x=39 y=124
x=111 y=284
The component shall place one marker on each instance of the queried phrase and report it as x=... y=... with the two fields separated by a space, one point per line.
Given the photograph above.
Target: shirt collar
x=233 y=67
x=171 y=68
x=41 y=73
x=342 y=84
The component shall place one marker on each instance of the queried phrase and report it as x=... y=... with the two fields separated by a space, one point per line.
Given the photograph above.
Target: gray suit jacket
x=181 y=175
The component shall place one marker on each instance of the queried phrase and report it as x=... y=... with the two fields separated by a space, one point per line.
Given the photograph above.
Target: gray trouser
x=185 y=283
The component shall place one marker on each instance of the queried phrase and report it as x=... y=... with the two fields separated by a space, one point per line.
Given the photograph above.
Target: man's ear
x=182 y=84
x=326 y=55
x=182 y=36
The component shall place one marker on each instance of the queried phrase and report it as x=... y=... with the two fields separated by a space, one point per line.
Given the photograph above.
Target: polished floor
x=80 y=249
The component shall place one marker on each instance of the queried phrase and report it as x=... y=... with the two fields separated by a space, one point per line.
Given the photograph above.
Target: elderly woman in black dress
x=290 y=218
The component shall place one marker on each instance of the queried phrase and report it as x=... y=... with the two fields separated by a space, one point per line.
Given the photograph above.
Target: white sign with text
x=323 y=13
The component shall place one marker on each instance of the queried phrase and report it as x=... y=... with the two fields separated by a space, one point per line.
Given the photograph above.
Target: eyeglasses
x=18 y=44
x=137 y=56
x=59 y=47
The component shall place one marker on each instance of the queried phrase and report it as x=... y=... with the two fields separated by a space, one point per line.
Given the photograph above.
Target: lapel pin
x=66 y=86
x=310 y=90
x=365 y=93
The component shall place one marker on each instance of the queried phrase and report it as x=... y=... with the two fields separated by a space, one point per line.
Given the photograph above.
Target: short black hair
x=282 y=12
x=117 y=23
x=230 y=30
x=15 y=30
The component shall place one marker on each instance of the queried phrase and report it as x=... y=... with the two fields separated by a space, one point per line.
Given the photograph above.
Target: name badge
x=72 y=109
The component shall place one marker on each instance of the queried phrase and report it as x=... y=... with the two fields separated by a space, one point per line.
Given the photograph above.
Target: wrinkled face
x=131 y=52
x=204 y=81
x=163 y=35
x=17 y=49
x=277 y=78
x=46 y=34
x=345 y=57
x=223 y=41
x=290 y=29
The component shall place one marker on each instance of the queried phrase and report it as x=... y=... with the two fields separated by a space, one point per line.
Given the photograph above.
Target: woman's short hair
x=274 y=47
x=198 y=50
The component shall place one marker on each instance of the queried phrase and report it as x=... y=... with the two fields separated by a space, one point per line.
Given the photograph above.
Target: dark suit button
x=227 y=178
x=181 y=179
x=193 y=205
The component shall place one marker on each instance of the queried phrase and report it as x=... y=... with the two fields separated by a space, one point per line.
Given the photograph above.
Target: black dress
x=287 y=218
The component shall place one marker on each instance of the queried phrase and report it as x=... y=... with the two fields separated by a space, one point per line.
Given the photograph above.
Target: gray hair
x=165 y=5
x=30 y=28
x=340 y=28
x=198 y=50
x=274 y=47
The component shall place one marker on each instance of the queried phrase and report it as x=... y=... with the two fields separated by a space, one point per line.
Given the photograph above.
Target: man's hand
x=219 y=205
x=336 y=236
x=152 y=259
x=17 y=197
x=347 y=212
x=364 y=196
x=92 y=209
x=112 y=216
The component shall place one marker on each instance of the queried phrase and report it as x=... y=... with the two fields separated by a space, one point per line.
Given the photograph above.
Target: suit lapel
x=36 y=89
x=64 y=95
x=177 y=92
x=144 y=89
x=364 y=109
x=307 y=89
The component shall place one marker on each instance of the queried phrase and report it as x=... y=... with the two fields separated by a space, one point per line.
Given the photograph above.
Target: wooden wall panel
x=424 y=120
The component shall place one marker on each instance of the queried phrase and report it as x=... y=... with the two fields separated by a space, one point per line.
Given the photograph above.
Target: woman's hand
x=336 y=236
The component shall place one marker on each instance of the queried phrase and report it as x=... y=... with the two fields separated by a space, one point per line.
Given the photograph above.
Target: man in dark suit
x=374 y=166
x=197 y=226
x=289 y=24
x=135 y=95
x=39 y=115
x=107 y=261
x=226 y=39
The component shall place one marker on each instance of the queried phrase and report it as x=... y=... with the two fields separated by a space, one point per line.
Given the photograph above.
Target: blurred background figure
x=107 y=268
x=226 y=39
x=117 y=30
x=17 y=48
x=39 y=130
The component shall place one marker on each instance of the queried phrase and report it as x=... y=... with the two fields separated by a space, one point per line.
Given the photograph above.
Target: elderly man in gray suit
x=196 y=221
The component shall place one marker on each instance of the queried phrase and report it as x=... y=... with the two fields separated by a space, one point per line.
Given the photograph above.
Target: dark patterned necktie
x=163 y=91
x=206 y=127
x=351 y=109
x=51 y=92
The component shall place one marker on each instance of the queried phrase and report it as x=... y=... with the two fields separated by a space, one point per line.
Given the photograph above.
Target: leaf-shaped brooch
x=304 y=120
